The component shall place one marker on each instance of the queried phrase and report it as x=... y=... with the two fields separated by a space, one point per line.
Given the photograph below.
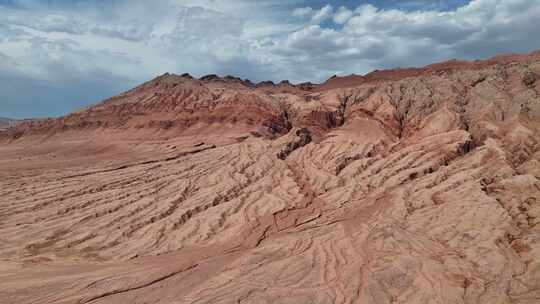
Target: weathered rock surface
x=401 y=186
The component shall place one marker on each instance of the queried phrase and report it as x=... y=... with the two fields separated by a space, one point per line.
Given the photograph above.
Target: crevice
x=478 y=81
x=278 y=125
x=303 y=137
x=120 y=291
x=339 y=119
x=342 y=163
x=177 y=156
x=529 y=78
x=402 y=108
x=466 y=147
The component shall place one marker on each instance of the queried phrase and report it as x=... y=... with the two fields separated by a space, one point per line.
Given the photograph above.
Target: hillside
x=416 y=185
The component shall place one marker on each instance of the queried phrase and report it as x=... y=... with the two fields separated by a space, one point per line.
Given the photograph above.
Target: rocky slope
x=401 y=186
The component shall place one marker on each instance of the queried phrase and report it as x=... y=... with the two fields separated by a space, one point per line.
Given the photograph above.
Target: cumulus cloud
x=50 y=46
x=342 y=15
x=324 y=13
x=315 y=16
x=369 y=37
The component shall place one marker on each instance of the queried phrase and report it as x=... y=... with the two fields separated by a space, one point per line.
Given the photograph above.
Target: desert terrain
x=400 y=186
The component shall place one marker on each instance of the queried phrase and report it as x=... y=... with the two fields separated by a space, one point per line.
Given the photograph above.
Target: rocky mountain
x=400 y=186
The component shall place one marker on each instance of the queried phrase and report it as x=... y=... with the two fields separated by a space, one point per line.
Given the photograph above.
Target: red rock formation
x=400 y=186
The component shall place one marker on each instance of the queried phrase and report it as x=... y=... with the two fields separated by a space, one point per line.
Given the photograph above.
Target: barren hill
x=400 y=186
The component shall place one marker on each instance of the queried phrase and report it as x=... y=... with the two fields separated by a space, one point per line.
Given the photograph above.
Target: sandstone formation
x=401 y=186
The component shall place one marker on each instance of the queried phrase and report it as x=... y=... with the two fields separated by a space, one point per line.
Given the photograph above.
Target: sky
x=57 y=56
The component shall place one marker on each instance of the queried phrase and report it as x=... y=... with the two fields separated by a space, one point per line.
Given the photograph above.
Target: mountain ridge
x=214 y=84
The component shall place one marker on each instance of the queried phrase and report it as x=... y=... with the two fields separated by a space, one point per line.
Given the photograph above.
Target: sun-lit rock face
x=400 y=186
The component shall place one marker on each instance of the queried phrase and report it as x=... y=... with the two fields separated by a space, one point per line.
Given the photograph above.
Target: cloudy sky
x=59 y=55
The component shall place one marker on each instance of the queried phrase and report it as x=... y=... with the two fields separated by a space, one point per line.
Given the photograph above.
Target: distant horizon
x=275 y=81
x=58 y=56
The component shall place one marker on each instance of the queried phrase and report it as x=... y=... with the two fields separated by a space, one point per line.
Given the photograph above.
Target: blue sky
x=60 y=55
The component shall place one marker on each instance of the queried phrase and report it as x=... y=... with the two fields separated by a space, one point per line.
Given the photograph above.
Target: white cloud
x=189 y=36
x=324 y=13
x=372 y=38
x=342 y=15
